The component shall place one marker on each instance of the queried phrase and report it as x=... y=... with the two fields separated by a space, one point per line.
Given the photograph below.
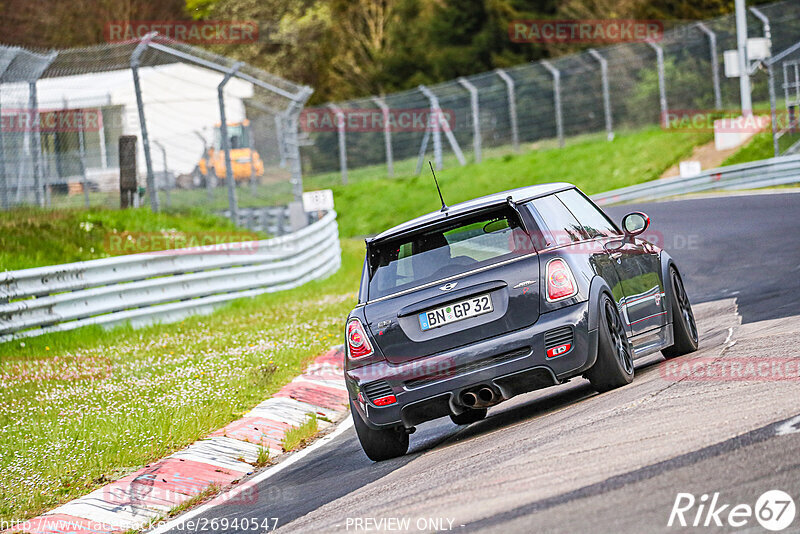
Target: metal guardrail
x=274 y=220
x=764 y=173
x=162 y=286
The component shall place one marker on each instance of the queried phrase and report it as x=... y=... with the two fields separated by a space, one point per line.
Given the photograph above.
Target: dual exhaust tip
x=478 y=397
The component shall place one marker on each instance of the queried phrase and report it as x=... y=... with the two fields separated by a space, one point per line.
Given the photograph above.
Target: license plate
x=455 y=312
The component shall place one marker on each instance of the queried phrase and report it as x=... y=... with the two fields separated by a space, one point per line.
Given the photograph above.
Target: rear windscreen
x=447 y=250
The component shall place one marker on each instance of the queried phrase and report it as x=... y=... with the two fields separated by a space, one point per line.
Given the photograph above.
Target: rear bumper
x=513 y=363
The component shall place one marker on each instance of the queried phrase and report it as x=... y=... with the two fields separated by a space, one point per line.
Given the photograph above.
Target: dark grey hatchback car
x=466 y=307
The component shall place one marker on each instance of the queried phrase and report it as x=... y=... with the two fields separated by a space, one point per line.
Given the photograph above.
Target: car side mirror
x=635 y=223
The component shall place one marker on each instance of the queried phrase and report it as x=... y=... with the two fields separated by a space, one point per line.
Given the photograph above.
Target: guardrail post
x=512 y=107
x=135 y=56
x=387 y=134
x=712 y=45
x=556 y=100
x=606 y=95
x=233 y=205
x=662 y=90
x=476 y=116
x=341 y=128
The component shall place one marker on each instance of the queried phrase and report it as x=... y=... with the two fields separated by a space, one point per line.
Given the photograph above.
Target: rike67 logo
x=774 y=510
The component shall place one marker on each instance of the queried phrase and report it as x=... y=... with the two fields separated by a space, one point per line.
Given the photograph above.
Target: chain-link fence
x=599 y=91
x=209 y=132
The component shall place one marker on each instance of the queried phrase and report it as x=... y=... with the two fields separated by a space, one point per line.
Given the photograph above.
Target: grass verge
x=371 y=205
x=81 y=408
x=34 y=237
x=299 y=435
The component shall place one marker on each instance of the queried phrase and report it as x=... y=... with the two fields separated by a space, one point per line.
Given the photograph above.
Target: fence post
x=606 y=96
x=233 y=206
x=36 y=138
x=437 y=123
x=166 y=171
x=433 y=128
x=773 y=109
x=5 y=191
x=209 y=188
x=82 y=155
x=476 y=117
x=387 y=134
x=556 y=100
x=662 y=90
x=279 y=136
x=341 y=127
x=712 y=44
x=512 y=107
x=135 y=56
x=292 y=143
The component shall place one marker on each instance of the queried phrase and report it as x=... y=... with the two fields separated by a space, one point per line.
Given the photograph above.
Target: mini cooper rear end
x=464 y=308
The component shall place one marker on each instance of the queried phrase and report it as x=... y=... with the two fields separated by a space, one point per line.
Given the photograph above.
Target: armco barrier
x=764 y=173
x=162 y=286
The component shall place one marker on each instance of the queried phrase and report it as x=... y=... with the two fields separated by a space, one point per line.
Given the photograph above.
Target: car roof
x=521 y=194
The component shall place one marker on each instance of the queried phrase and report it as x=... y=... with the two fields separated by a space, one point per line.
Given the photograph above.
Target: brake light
x=357 y=342
x=560 y=282
x=385 y=401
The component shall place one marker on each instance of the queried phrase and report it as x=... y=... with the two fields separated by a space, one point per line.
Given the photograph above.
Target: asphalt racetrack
x=567 y=459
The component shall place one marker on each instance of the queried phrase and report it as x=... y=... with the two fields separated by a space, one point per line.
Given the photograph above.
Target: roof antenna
x=444 y=206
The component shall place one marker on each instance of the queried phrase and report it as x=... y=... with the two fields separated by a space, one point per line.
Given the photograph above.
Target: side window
x=562 y=227
x=593 y=221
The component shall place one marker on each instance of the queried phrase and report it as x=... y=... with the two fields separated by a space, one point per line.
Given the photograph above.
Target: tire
x=469 y=416
x=614 y=365
x=684 y=327
x=379 y=444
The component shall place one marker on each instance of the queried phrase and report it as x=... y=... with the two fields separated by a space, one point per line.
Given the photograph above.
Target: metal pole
x=764 y=22
x=5 y=191
x=556 y=100
x=36 y=146
x=341 y=127
x=252 y=140
x=387 y=134
x=773 y=110
x=476 y=117
x=292 y=144
x=744 y=74
x=662 y=90
x=135 y=56
x=437 y=123
x=209 y=188
x=606 y=95
x=82 y=154
x=223 y=130
x=712 y=45
x=512 y=107
x=279 y=135
x=166 y=171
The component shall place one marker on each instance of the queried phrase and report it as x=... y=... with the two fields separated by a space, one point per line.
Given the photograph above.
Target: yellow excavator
x=245 y=161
